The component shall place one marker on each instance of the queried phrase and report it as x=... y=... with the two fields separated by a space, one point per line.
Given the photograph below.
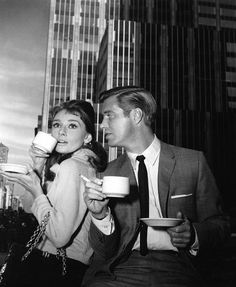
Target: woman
x=76 y=153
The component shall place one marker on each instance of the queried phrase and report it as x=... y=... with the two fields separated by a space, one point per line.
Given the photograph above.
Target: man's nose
x=103 y=124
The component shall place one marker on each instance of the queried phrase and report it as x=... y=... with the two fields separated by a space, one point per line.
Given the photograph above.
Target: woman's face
x=70 y=132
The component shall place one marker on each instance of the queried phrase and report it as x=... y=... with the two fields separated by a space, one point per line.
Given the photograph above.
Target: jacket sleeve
x=105 y=246
x=212 y=226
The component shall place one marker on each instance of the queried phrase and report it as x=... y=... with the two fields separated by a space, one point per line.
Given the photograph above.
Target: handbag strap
x=34 y=239
x=61 y=252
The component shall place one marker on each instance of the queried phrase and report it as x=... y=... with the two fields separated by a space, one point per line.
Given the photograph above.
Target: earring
x=88 y=139
x=88 y=144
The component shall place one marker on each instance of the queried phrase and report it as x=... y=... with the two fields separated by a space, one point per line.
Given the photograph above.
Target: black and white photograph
x=117 y=143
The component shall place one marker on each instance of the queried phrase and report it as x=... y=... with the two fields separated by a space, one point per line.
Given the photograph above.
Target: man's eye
x=109 y=116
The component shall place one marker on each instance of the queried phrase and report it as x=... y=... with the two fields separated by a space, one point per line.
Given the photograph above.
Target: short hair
x=131 y=97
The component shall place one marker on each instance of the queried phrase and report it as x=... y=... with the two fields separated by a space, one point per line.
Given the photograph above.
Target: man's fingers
x=93 y=194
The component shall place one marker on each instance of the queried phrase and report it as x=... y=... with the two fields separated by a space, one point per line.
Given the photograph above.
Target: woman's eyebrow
x=107 y=112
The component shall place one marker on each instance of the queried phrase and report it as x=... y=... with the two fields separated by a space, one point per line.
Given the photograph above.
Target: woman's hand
x=29 y=181
x=39 y=159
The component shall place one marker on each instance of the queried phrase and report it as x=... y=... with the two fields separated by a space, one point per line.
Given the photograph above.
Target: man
x=180 y=184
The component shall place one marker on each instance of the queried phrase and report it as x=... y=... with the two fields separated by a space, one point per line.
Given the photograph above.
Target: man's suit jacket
x=185 y=183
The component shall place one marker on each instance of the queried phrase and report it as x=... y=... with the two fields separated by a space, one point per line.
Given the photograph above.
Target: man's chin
x=113 y=143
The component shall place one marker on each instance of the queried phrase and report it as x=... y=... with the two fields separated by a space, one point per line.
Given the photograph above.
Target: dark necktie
x=144 y=202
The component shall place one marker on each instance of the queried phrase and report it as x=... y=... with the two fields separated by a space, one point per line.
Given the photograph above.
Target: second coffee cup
x=115 y=186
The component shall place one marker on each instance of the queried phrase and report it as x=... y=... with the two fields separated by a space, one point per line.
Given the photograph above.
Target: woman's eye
x=55 y=125
x=72 y=126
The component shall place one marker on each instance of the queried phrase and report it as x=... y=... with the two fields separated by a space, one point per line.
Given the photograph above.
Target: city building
x=3 y=159
x=3 y=153
x=183 y=51
x=185 y=54
x=75 y=31
x=7 y=197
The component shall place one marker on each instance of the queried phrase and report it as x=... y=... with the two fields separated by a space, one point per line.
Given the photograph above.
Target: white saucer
x=162 y=222
x=11 y=167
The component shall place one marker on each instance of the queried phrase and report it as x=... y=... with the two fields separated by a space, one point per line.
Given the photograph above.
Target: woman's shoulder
x=80 y=157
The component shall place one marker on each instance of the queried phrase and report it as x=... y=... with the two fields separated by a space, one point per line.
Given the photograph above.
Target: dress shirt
x=106 y=225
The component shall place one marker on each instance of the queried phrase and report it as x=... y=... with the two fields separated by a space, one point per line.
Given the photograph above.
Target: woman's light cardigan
x=69 y=219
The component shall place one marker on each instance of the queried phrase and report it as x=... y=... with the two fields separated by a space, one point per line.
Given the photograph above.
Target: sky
x=23 y=44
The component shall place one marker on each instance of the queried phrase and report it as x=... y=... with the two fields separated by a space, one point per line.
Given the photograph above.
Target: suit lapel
x=166 y=166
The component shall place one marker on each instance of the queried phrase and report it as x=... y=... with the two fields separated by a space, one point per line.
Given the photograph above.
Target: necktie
x=144 y=202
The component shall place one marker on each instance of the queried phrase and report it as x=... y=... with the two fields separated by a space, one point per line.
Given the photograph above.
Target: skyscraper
x=3 y=153
x=183 y=51
x=75 y=31
x=3 y=159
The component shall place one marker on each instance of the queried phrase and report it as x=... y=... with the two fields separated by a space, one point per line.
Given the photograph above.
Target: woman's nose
x=62 y=131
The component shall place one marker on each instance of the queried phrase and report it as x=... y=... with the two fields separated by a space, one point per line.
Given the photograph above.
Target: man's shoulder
x=118 y=161
x=179 y=151
x=116 y=164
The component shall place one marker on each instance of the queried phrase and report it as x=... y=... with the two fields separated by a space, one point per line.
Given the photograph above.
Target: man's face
x=118 y=128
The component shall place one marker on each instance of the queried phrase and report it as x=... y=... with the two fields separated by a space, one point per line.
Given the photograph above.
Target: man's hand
x=95 y=200
x=183 y=235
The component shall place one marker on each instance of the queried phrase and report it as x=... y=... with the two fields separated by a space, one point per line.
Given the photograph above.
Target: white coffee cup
x=115 y=186
x=45 y=142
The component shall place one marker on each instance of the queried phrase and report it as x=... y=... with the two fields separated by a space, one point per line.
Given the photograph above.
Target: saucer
x=11 y=167
x=162 y=222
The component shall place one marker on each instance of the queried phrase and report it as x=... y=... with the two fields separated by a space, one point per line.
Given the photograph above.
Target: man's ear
x=87 y=138
x=137 y=115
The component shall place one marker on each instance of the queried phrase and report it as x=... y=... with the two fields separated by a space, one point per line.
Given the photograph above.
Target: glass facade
x=75 y=31
x=183 y=51
x=186 y=57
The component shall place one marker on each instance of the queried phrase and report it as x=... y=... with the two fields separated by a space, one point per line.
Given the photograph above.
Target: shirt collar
x=151 y=153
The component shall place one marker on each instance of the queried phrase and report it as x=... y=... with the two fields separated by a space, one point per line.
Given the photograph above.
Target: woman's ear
x=87 y=138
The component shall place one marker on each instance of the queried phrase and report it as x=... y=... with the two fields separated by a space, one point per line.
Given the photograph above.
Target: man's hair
x=131 y=97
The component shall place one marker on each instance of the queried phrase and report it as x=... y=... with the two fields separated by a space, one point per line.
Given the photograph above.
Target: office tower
x=75 y=31
x=3 y=153
x=184 y=52
x=3 y=159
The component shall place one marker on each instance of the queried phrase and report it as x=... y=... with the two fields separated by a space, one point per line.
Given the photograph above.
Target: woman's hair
x=131 y=97
x=86 y=112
